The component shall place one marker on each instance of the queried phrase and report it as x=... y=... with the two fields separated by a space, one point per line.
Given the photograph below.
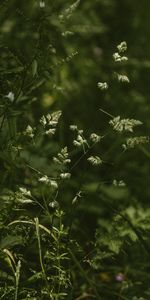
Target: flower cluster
x=29 y=131
x=69 y=11
x=122 y=47
x=23 y=196
x=50 y=122
x=95 y=138
x=65 y=175
x=25 y=192
x=123 y=78
x=135 y=141
x=62 y=157
x=80 y=140
x=124 y=124
x=42 y=4
x=95 y=160
x=10 y=96
x=102 y=85
x=52 y=183
x=118 y=58
x=120 y=183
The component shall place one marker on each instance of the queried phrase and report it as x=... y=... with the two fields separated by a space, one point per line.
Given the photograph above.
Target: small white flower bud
x=65 y=175
x=102 y=85
x=10 y=96
x=42 y=4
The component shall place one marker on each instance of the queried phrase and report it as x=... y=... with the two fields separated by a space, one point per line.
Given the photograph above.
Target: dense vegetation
x=74 y=150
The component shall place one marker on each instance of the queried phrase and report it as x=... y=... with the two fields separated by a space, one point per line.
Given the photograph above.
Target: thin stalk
x=39 y=246
x=17 y=278
x=77 y=263
x=58 y=255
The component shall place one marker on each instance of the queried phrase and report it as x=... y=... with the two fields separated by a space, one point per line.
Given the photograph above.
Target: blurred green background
x=52 y=60
x=72 y=55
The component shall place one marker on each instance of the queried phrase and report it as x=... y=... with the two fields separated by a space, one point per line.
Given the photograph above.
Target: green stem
x=83 y=273
x=17 y=277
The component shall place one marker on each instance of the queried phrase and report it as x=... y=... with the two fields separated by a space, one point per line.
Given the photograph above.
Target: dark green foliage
x=74 y=150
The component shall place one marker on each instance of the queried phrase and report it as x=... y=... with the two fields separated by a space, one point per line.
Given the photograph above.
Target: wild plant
x=44 y=251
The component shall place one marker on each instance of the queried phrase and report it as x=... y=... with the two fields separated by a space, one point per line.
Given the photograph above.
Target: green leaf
x=34 y=67
x=10 y=241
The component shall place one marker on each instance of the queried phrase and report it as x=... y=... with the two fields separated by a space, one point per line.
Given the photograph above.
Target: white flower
x=54 y=204
x=50 y=131
x=50 y=121
x=68 y=11
x=76 y=143
x=118 y=58
x=135 y=141
x=65 y=175
x=124 y=124
x=80 y=141
x=44 y=179
x=29 y=131
x=123 y=78
x=95 y=160
x=73 y=127
x=118 y=183
x=95 y=138
x=43 y=121
x=25 y=201
x=122 y=47
x=53 y=184
x=10 y=96
x=124 y=58
x=80 y=131
x=24 y=191
x=48 y=181
x=56 y=160
x=53 y=118
x=67 y=33
x=42 y=4
x=102 y=85
x=62 y=157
